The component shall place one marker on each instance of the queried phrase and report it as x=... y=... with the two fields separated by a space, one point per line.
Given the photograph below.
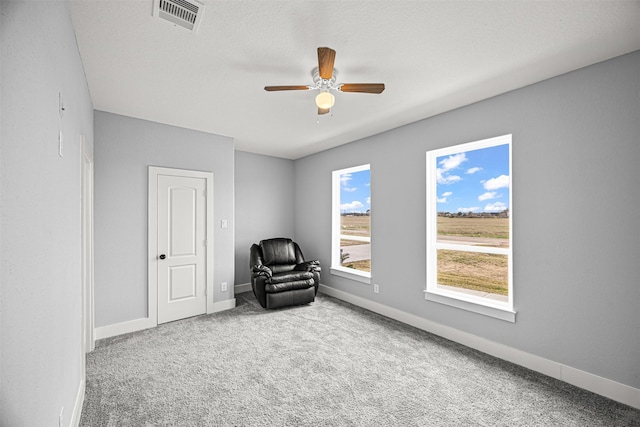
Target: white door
x=182 y=247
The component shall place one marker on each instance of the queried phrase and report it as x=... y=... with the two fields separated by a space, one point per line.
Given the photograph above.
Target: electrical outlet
x=223 y=223
x=61 y=418
x=223 y=286
x=376 y=289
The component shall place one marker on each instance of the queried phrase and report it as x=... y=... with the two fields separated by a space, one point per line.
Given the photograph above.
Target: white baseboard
x=77 y=408
x=243 y=287
x=223 y=305
x=146 y=323
x=611 y=389
x=124 y=328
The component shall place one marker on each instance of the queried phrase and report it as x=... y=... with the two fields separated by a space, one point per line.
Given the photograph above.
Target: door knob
x=163 y=256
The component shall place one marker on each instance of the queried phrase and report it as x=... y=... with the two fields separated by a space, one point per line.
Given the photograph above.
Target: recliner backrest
x=278 y=251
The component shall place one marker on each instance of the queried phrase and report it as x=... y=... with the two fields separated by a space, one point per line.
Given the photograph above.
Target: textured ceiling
x=433 y=56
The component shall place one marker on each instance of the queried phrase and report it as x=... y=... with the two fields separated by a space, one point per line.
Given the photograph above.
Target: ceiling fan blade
x=326 y=58
x=322 y=111
x=362 y=87
x=276 y=88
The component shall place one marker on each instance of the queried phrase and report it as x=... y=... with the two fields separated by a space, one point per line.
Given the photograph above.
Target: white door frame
x=152 y=258
x=88 y=325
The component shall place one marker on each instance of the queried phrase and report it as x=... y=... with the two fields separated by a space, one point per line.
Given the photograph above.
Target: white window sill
x=350 y=273
x=470 y=303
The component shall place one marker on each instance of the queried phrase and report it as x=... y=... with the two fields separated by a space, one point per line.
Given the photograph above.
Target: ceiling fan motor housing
x=321 y=83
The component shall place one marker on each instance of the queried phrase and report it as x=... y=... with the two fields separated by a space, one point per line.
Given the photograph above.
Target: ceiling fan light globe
x=325 y=100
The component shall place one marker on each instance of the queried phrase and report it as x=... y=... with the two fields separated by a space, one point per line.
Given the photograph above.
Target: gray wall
x=576 y=148
x=124 y=148
x=41 y=366
x=264 y=204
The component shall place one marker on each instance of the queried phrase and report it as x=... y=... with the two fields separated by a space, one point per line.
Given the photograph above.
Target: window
x=351 y=223
x=469 y=232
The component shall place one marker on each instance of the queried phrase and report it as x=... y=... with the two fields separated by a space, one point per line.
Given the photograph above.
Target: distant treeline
x=503 y=214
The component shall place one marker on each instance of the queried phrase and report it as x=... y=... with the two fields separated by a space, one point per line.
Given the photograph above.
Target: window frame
x=336 y=267
x=466 y=301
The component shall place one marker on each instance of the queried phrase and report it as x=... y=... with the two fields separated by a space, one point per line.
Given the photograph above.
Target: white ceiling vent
x=184 y=13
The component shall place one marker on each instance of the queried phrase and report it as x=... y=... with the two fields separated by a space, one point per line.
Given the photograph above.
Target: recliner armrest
x=261 y=270
x=308 y=266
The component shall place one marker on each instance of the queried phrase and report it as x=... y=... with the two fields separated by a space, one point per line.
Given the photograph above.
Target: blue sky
x=355 y=191
x=474 y=181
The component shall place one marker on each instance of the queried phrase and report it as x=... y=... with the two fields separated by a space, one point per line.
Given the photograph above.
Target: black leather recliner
x=280 y=276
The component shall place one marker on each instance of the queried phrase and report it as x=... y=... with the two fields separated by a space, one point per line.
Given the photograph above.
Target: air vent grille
x=184 y=13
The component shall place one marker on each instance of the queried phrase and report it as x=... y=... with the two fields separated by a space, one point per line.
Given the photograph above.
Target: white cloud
x=474 y=170
x=495 y=183
x=368 y=201
x=354 y=206
x=344 y=181
x=495 y=207
x=443 y=199
x=453 y=161
x=448 y=164
x=488 y=196
x=472 y=209
x=446 y=179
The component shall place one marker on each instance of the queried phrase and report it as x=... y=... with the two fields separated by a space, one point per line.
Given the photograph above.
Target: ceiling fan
x=324 y=79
